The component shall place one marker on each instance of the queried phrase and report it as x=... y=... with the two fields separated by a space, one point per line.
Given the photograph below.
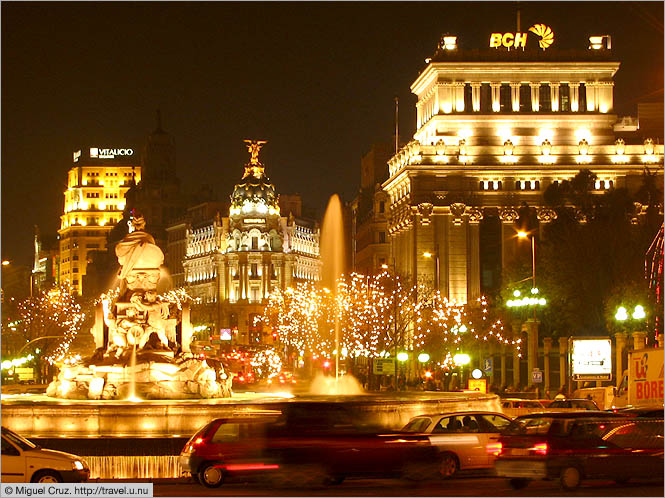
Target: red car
x=579 y=445
x=308 y=443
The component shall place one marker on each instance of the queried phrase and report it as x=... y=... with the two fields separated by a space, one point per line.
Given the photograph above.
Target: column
x=243 y=279
x=547 y=347
x=563 y=359
x=504 y=354
x=496 y=96
x=574 y=96
x=475 y=96
x=620 y=346
x=532 y=344
x=222 y=281
x=535 y=96
x=473 y=289
x=639 y=340
x=591 y=96
x=508 y=237
x=515 y=96
x=554 y=96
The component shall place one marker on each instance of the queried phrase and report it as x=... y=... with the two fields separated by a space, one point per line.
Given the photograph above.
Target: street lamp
x=524 y=235
x=428 y=254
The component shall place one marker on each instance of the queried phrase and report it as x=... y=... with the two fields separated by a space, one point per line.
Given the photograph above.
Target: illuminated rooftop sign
x=518 y=40
x=97 y=153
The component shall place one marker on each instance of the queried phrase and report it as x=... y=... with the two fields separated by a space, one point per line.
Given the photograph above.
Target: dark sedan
x=579 y=445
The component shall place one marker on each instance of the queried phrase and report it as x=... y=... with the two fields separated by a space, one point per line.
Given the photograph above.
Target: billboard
x=591 y=358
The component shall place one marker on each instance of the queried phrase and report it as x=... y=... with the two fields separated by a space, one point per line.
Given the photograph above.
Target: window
x=255 y=243
x=564 y=97
x=485 y=98
x=75 y=282
x=468 y=98
x=254 y=269
x=505 y=100
x=545 y=98
x=382 y=237
x=582 y=97
x=382 y=207
x=75 y=257
x=525 y=98
x=75 y=270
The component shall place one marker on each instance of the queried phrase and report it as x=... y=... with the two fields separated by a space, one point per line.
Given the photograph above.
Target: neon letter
x=495 y=40
x=520 y=40
x=507 y=40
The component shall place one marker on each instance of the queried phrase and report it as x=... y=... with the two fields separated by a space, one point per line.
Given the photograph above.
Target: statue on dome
x=254 y=168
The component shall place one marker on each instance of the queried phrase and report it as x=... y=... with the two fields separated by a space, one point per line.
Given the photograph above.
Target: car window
x=493 y=423
x=449 y=425
x=560 y=404
x=8 y=449
x=537 y=425
x=584 y=404
x=470 y=424
x=20 y=441
x=418 y=424
x=640 y=434
x=532 y=404
x=506 y=404
x=227 y=433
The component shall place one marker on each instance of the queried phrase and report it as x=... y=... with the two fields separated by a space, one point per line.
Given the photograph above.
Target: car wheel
x=518 y=482
x=47 y=477
x=449 y=465
x=210 y=475
x=570 y=478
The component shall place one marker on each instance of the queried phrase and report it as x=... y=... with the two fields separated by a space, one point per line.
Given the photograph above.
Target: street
x=463 y=486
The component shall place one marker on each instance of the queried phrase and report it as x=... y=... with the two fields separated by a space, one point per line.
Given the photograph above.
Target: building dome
x=254 y=194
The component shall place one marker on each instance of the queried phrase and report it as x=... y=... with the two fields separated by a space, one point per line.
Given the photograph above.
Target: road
x=466 y=486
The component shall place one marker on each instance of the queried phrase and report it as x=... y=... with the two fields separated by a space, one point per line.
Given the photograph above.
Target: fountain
x=142 y=338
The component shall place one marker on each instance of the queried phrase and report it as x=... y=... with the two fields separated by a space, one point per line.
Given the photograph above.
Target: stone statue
x=254 y=168
x=139 y=257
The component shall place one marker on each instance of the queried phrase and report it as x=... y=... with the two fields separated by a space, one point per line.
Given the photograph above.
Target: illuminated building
x=369 y=214
x=94 y=202
x=495 y=127
x=233 y=262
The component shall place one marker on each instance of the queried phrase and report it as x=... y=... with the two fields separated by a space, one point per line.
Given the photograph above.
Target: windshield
x=419 y=424
x=20 y=441
x=537 y=425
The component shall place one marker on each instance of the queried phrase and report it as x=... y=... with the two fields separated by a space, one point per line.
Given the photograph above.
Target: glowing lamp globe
x=477 y=373
x=461 y=359
x=403 y=356
x=423 y=357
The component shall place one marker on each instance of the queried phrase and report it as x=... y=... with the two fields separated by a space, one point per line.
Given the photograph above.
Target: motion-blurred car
x=461 y=438
x=307 y=444
x=24 y=461
x=581 y=445
x=514 y=407
x=573 y=404
x=641 y=412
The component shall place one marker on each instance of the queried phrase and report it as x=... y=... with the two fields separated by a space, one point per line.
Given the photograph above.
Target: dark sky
x=315 y=79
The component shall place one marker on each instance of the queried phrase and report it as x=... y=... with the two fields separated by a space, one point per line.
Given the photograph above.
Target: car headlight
x=77 y=465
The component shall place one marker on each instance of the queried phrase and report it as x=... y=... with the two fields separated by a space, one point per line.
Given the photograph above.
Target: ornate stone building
x=495 y=127
x=233 y=263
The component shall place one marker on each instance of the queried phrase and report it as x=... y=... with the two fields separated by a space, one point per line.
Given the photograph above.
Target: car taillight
x=540 y=449
x=494 y=448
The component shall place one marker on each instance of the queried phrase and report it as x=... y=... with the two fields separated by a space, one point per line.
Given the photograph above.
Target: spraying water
x=332 y=256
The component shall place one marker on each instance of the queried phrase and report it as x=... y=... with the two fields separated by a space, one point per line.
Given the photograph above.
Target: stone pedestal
x=532 y=345
x=547 y=347
x=563 y=359
x=639 y=340
x=620 y=346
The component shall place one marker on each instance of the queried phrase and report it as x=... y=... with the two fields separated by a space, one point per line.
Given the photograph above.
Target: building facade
x=93 y=203
x=495 y=127
x=233 y=262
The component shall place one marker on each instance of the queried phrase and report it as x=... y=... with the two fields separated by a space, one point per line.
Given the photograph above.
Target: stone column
x=515 y=96
x=459 y=96
x=591 y=97
x=547 y=347
x=535 y=96
x=496 y=96
x=620 y=346
x=473 y=282
x=508 y=236
x=504 y=354
x=475 y=96
x=574 y=96
x=532 y=344
x=639 y=340
x=563 y=360
x=554 y=96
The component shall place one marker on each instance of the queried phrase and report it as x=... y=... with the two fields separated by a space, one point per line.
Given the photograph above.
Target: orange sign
x=479 y=385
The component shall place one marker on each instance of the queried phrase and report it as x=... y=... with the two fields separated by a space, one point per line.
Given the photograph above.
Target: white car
x=461 y=437
x=24 y=461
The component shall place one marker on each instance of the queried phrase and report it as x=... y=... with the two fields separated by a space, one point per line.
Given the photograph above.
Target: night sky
x=317 y=80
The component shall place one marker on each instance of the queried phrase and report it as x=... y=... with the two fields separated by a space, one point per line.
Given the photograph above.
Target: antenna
x=396 y=124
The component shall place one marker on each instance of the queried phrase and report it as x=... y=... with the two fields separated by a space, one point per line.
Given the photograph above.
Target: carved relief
x=475 y=214
x=508 y=215
x=580 y=216
x=648 y=146
x=583 y=147
x=546 y=215
x=440 y=147
x=457 y=210
x=620 y=145
x=425 y=211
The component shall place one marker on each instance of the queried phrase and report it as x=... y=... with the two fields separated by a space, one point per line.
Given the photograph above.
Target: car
x=306 y=443
x=578 y=445
x=573 y=404
x=460 y=437
x=642 y=412
x=514 y=407
x=24 y=461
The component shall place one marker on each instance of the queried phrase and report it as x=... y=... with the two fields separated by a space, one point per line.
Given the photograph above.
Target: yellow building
x=94 y=201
